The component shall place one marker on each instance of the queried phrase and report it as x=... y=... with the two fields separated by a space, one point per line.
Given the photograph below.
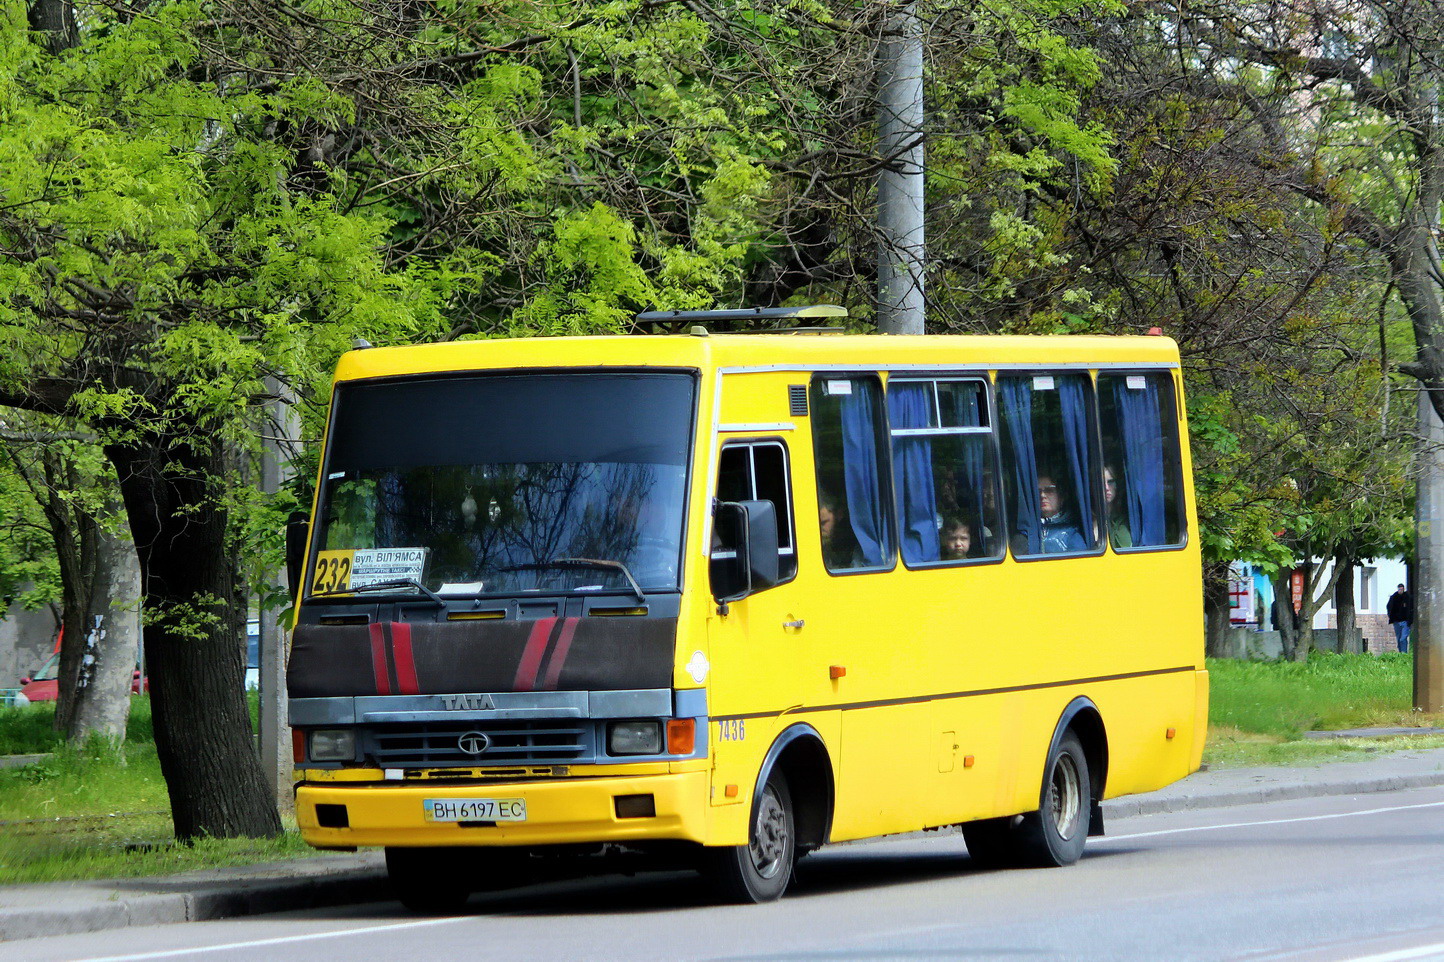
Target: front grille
x=437 y=744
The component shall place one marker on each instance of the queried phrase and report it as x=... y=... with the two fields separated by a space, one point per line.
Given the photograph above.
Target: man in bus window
x=1060 y=528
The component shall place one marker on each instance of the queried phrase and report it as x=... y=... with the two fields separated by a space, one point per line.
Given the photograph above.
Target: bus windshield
x=499 y=484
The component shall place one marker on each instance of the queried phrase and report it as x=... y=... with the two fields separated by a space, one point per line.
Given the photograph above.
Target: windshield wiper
x=587 y=563
x=382 y=586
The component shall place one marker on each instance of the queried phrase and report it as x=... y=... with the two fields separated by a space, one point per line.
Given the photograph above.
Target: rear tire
x=1055 y=834
x=760 y=870
x=430 y=881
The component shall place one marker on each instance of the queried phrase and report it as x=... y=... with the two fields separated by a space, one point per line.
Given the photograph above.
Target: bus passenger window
x=757 y=471
x=852 y=500
x=944 y=472
x=1142 y=468
x=1049 y=479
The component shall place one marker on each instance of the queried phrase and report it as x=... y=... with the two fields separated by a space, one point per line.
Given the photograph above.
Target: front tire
x=760 y=870
x=428 y=880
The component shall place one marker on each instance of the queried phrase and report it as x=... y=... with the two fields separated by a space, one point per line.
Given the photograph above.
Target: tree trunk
x=1345 y=609
x=112 y=641
x=173 y=489
x=1317 y=589
x=55 y=19
x=1215 y=609
x=1285 y=619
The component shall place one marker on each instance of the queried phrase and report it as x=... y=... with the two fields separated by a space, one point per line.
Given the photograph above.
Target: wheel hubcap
x=770 y=842
x=1064 y=798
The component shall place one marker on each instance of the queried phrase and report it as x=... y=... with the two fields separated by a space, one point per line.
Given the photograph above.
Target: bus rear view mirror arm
x=749 y=529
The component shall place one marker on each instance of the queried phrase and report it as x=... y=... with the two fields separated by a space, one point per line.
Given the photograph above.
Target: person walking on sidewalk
x=1401 y=616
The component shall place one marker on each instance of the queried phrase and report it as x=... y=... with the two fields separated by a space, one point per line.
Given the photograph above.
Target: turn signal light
x=681 y=736
x=298 y=746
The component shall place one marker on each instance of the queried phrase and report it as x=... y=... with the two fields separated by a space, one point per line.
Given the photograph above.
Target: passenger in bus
x=1116 y=511
x=1060 y=527
x=840 y=549
x=957 y=540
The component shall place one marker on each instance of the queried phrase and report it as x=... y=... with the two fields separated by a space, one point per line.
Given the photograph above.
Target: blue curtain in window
x=1073 y=403
x=909 y=405
x=965 y=411
x=1015 y=403
x=1140 y=422
x=863 y=486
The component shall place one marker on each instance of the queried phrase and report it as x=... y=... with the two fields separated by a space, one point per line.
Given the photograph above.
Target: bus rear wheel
x=760 y=870
x=428 y=880
x=1055 y=834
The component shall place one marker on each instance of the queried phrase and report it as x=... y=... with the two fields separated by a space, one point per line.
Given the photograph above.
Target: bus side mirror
x=744 y=561
x=295 y=550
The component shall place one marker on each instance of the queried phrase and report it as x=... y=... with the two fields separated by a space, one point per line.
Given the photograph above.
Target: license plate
x=475 y=809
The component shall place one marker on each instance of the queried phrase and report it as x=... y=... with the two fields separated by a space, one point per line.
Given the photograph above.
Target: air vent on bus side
x=797 y=400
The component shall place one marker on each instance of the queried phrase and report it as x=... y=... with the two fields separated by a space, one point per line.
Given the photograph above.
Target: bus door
x=763 y=668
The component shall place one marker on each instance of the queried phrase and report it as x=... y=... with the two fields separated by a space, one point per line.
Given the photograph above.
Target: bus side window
x=853 y=502
x=944 y=471
x=758 y=471
x=1049 y=478
x=1142 y=467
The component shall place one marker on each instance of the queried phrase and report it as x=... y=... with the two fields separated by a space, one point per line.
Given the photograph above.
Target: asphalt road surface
x=1342 y=878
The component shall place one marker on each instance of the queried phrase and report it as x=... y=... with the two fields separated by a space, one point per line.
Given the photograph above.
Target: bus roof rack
x=744 y=314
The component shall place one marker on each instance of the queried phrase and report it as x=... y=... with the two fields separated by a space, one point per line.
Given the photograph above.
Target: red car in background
x=45 y=685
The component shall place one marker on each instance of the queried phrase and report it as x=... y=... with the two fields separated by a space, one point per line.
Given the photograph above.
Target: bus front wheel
x=760 y=870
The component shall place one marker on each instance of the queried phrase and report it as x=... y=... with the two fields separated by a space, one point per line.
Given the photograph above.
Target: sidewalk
x=58 y=908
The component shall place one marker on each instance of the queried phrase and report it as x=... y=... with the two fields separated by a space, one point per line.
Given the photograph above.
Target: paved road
x=1337 y=878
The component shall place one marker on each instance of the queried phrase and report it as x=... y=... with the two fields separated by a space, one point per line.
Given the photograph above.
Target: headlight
x=634 y=738
x=333 y=745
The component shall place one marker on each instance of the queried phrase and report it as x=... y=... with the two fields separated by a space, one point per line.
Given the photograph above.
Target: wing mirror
x=744 y=549
x=295 y=550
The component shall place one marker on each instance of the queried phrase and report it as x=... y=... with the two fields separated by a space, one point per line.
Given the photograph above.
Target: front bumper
x=571 y=810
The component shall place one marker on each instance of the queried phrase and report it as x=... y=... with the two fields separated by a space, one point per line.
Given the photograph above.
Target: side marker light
x=681 y=736
x=730 y=791
x=968 y=761
x=1171 y=732
x=836 y=671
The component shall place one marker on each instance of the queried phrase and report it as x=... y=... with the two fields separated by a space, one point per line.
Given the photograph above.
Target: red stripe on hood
x=531 y=656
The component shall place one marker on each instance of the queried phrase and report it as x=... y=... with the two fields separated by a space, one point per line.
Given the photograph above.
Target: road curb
x=216 y=901
x=1154 y=805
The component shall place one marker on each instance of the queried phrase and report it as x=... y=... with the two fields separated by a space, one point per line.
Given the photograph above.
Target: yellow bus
x=735 y=597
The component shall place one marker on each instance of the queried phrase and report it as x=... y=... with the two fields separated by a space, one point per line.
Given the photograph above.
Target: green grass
x=1259 y=711
x=97 y=811
x=1326 y=693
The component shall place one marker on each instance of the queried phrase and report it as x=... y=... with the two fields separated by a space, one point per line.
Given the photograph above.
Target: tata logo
x=467 y=702
x=473 y=743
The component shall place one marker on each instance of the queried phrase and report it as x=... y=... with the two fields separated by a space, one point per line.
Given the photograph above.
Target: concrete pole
x=900 y=185
x=1427 y=636
x=275 y=735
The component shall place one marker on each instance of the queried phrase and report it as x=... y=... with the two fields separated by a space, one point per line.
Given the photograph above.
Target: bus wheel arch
x=801 y=757
x=1085 y=721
